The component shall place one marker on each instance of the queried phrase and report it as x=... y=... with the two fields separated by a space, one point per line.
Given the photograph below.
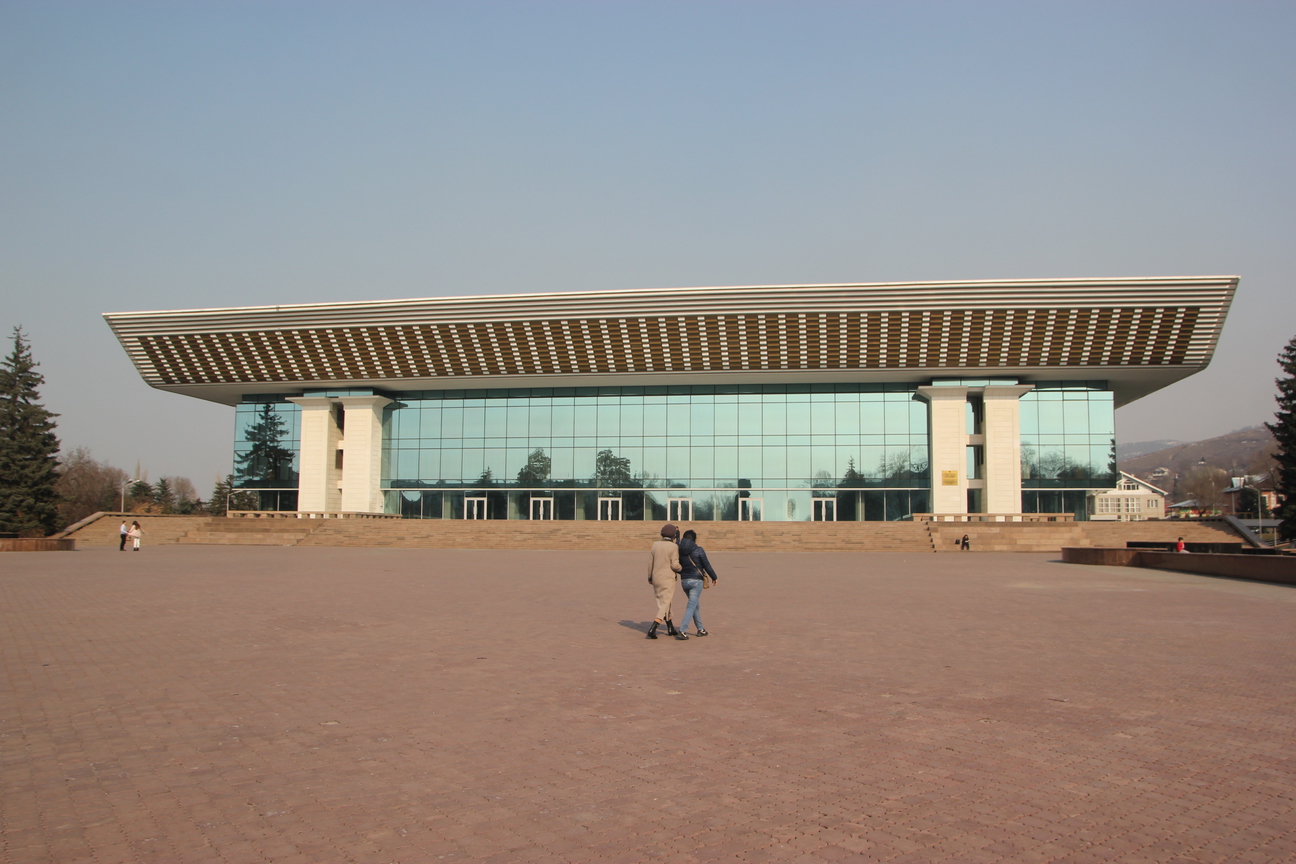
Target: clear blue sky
x=178 y=155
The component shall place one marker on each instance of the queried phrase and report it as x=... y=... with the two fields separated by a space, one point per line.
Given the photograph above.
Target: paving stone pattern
x=233 y=704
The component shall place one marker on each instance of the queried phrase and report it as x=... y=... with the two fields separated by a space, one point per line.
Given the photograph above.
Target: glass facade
x=769 y=452
x=267 y=445
x=1068 y=444
x=776 y=447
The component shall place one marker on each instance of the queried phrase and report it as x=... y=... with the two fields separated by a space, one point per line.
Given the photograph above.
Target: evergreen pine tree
x=218 y=504
x=227 y=496
x=139 y=496
x=267 y=461
x=164 y=496
x=852 y=478
x=1284 y=430
x=28 y=448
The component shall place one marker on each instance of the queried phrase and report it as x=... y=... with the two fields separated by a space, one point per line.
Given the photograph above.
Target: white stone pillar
x=362 y=453
x=947 y=407
x=1003 y=447
x=318 y=476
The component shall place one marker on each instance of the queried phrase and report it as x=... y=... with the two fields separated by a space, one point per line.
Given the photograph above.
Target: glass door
x=609 y=509
x=751 y=509
x=474 y=508
x=542 y=508
x=825 y=509
x=679 y=510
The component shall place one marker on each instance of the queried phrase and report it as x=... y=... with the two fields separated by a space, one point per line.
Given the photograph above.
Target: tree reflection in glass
x=266 y=462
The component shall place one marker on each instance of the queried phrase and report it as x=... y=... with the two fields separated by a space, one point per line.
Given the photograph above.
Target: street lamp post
x=124 y=484
x=1260 y=507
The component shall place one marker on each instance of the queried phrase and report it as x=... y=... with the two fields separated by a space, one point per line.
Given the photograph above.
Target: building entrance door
x=679 y=510
x=542 y=508
x=825 y=509
x=751 y=509
x=474 y=508
x=609 y=509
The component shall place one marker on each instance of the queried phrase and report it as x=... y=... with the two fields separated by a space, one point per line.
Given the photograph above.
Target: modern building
x=813 y=402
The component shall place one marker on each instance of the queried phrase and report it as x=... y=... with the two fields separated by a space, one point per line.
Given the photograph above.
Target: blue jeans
x=693 y=588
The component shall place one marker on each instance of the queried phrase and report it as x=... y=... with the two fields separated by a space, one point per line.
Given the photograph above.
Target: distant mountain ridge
x=1238 y=452
x=1135 y=449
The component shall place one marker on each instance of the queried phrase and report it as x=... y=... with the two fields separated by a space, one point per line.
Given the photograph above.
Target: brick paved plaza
x=225 y=704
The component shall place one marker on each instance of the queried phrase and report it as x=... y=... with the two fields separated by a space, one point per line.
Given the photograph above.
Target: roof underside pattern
x=1066 y=325
x=884 y=340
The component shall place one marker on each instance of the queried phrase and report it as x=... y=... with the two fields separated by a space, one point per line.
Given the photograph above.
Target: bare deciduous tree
x=86 y=486
x=1205 y=486
x=184 y=491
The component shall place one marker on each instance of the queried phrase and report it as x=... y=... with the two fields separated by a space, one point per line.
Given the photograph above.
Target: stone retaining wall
x=36 y=544
x=1259 y=568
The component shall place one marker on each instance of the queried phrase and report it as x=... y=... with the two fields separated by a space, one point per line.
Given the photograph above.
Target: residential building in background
x=790 y=403
x=1251 y=495
x=1132 y=500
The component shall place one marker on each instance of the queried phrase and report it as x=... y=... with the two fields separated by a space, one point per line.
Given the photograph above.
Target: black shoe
x=652 y=631
x=683 y=637
x=670 y=628
x=700 y=632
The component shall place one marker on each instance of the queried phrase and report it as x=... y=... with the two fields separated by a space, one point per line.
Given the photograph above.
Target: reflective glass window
x=774 y=419
x=654 y=419
x=726 y=419
x=563 y=419
x=699 y=439
x=897 y=418
x=1067 y=436
x=474 y=422
x=823 y=418
x=267 y=444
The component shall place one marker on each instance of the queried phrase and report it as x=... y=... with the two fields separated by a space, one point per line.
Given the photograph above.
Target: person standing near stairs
x=663 y=575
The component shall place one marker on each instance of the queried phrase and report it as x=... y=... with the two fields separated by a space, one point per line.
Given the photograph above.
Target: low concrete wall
x=1110 y=556
x=36 y=544
x=1259 y=568
x=1262 y=568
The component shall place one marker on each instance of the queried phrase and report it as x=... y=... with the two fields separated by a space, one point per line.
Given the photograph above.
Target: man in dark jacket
x=694 y=568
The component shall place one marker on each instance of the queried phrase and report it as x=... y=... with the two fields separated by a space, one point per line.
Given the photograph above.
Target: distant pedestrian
x=696 y=574
x=1180 y=545
x=663 y=575
x=135 y=533
x=121 y=547
x=965 y=544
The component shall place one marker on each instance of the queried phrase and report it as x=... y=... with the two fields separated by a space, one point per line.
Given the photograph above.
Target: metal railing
x=994 y=517
x=307 y=514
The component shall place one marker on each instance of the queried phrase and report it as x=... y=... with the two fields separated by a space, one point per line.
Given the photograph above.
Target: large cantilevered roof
x=1137 y=334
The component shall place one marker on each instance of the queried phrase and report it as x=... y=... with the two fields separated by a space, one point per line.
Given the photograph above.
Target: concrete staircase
x=101 y=529
x=249 y=532
x=912 y=537
x=1007 y=536
x=730 y=536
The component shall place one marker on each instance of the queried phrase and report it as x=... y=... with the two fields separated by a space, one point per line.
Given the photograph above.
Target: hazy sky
x=178 y=155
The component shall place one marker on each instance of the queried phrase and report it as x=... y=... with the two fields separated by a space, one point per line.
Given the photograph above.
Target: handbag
x=707 y=581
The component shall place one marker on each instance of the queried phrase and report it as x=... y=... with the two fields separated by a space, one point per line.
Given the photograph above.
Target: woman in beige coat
x=663 y=575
